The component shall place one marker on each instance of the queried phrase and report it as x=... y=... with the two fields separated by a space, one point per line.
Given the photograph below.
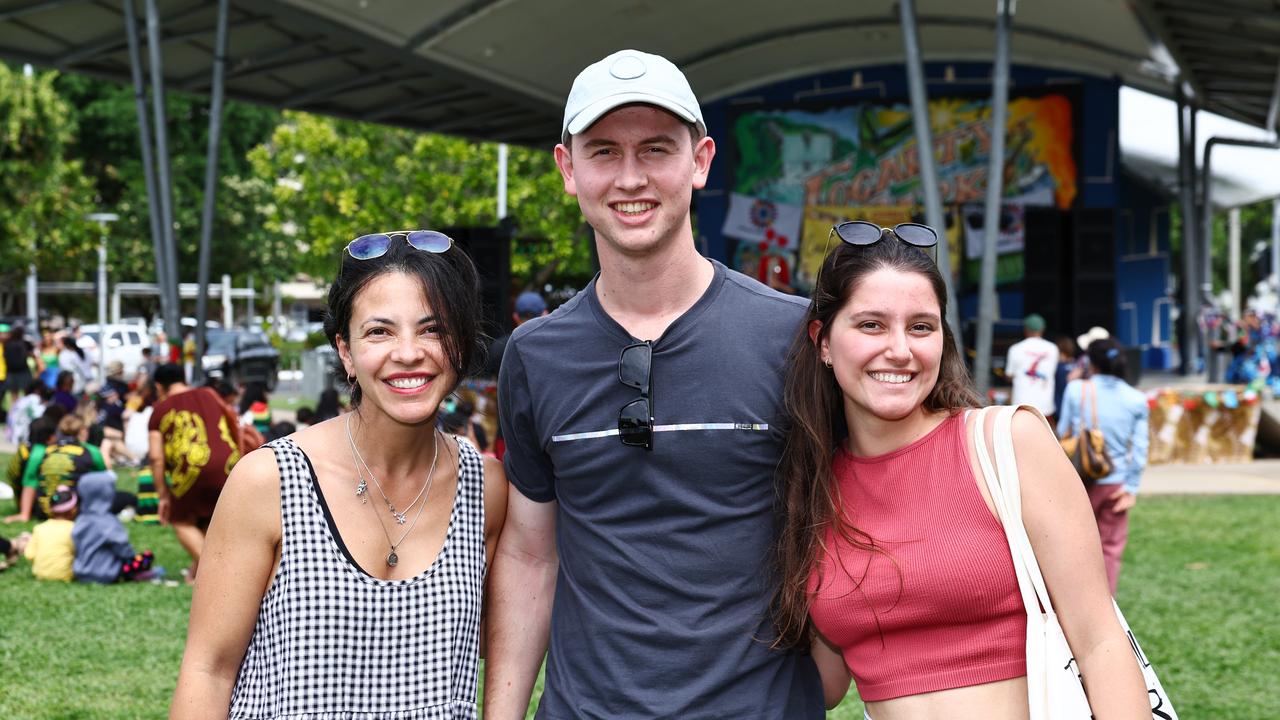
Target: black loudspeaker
x=1047 y=279
x=1093 y=265
x=490 y=250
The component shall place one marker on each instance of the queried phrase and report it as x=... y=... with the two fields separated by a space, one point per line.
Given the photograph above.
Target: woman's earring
x=827 y=362
x=351 y=379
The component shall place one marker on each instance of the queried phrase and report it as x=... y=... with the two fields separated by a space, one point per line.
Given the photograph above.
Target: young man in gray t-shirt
x=642 y=425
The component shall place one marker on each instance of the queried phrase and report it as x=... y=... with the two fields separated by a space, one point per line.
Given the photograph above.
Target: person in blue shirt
x=1122 y=414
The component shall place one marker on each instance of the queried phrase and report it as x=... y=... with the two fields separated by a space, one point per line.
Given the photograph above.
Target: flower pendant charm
x=392 y=559
x=400 y=519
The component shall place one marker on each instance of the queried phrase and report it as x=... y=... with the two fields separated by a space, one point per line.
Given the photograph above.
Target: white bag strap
x=998 y=499
x=1006 y=494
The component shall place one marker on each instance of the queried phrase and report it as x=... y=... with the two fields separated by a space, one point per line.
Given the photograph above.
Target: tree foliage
x=293 y=187
x=45 y=193
x=108 y=142
x=335 y=180
x=1255 y=236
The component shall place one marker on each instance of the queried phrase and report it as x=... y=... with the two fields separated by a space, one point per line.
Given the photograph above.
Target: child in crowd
x=63 y=393
x=26 y=410
x=103 y=551
x=51 y=549
x=305 y=416
x=254 y=410
x=280 y=429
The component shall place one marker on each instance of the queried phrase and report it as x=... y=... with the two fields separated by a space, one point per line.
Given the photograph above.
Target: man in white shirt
x=1031 y=364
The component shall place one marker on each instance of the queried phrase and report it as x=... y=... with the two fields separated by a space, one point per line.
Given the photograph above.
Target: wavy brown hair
x=808 y=497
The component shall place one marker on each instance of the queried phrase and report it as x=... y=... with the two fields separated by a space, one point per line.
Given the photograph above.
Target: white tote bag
x=1054 y=686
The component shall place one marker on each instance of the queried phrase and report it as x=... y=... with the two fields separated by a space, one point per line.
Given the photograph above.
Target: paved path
x=1260 y=477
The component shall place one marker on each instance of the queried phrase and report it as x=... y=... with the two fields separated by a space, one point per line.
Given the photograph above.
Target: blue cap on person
x=625 y=77
x=530 y=304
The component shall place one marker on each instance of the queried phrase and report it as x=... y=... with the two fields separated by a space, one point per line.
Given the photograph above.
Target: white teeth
x=407 y=383
x=890 y=377
x=634 y=208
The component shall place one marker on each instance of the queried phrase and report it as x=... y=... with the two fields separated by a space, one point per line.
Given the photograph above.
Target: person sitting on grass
x=10 y=550
x=63 y=393
x=41 y=432
x=59 y=463
x=103 y=551
x=51 y=550
x=26 y=410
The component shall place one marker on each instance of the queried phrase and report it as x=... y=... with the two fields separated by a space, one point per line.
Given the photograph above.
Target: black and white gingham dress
x=334 y=643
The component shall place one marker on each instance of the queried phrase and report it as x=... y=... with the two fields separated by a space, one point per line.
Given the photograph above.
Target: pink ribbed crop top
x=944 y=610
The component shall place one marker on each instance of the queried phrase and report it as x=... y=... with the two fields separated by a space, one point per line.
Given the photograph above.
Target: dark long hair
x=1106 y=357
x=808 y=498
x=253 y=392
x=450 y=283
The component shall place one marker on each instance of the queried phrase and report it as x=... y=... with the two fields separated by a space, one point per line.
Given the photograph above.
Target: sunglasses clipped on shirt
x=368 y=247
x=635 y=419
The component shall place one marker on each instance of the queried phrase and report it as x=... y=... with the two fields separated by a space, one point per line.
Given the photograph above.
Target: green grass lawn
x=1199 y=587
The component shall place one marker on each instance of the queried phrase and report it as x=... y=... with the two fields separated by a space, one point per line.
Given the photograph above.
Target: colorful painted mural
x=862 y=162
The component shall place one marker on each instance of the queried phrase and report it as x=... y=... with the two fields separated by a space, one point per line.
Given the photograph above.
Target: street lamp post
x=102 y=219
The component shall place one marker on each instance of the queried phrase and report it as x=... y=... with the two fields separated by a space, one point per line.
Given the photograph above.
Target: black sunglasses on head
x=861 y=232
x=635 y=419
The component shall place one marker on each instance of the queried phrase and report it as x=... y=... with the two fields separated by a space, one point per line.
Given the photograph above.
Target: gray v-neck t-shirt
x=661 y=604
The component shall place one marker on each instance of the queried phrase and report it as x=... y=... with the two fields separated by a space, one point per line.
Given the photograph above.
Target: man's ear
x=564 y=161
x=703 y=152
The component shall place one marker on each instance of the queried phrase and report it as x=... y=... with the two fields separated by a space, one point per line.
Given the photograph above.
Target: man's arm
x=521 y=588
x=30 y=481
x=156 y=455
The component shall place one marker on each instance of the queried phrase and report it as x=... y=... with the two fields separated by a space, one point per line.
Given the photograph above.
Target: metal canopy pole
x=148 y=162
x=1233 y=262
x=210 y=185
x=502 y=180
x=103 y=219
x=995 y=193
x=1186 y=167
x=33 y=299
x=928 y=171
x=1275 y=245
x=165 y=187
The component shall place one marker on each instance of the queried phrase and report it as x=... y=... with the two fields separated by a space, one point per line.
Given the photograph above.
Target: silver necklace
x=392 y=557
x=363 y=488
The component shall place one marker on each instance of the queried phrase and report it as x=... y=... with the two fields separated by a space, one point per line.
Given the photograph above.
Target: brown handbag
x=1086 y=447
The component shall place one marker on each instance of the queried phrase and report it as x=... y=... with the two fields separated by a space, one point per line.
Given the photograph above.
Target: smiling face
x=634 y=172
x=885 y=348
x=393 y=347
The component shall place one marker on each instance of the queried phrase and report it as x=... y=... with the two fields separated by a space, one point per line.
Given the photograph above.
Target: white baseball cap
x=628 y=76
x=1095 y=333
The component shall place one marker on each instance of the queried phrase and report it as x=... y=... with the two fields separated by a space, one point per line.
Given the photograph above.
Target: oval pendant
x=392 y=559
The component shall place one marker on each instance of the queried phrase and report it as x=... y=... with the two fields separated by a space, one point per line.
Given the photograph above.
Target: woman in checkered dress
x=344 y=566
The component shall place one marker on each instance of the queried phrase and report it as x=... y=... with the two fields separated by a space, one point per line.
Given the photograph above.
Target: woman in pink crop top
x=893 y=565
